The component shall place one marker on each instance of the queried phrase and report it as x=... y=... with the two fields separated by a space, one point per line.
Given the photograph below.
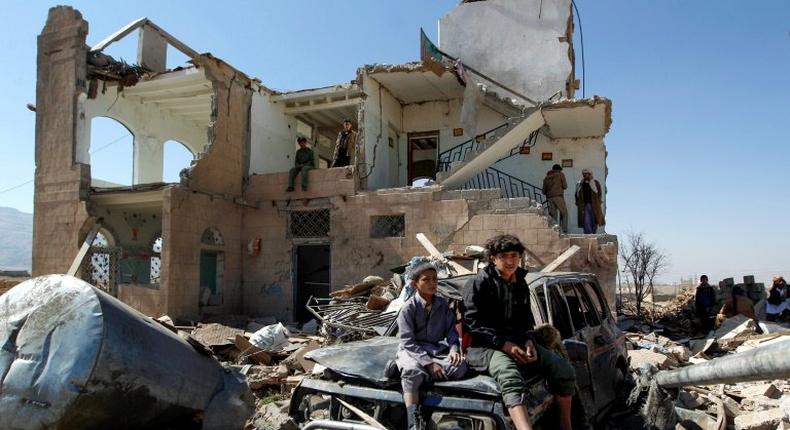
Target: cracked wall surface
x=61 y=213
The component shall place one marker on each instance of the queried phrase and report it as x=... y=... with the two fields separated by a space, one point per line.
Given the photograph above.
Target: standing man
x=345 y=146
x=304 y=161
x=704 y=301
x=589 y=195
x=554 y=186
x=498 y=316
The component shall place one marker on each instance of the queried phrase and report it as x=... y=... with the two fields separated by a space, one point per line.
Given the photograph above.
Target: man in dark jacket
x=704 y=301
x=304 y=161
x=554 y=186
x=498 y=316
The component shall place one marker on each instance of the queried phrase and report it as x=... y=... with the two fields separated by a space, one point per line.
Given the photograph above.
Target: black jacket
x=491 y=318
x=705 y=297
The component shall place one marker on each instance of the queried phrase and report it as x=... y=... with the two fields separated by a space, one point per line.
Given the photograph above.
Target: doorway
x=312 y=273
x=423 y=153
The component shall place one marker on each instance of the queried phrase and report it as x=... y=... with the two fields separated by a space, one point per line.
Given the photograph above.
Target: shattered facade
x=229 y=239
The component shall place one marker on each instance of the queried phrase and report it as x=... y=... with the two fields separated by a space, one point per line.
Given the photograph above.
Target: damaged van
x=349 y=387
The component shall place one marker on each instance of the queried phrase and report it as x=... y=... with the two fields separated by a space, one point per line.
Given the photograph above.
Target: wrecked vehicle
x=349 y=381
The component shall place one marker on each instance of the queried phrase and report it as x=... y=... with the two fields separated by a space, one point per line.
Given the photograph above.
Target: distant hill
x=16 y=239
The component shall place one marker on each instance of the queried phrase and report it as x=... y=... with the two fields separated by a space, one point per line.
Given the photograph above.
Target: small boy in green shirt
x=304 y=161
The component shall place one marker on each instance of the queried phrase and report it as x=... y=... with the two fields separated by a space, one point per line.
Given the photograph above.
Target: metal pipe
x=336 y=425
x=764 y=363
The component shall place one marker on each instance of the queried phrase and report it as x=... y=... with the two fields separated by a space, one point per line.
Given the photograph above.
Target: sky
x=699 y=153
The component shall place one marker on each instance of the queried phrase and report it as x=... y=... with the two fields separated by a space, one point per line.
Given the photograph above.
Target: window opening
x=102 y=262
x=156 y=259
x=308 y=224
x=597 y=299
x=561 y=319
x=382 y=226
x=111 y=153
x=212 y=236
x=423 y=152
x=177 y=157
x=582 y=312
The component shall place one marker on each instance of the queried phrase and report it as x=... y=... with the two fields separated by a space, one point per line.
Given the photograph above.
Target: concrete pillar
x=148 y=159
x=152 y=49
x=62 y=179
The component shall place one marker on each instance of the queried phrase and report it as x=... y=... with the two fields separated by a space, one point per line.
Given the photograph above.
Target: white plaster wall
x=272 y=136
x=383 y=116
x=143 y=119
x=150 y=127
x=515 y=42
x=443 y=116
x=586 y=153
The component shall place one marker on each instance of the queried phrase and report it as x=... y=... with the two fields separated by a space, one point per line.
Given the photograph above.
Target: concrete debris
x=766 y=390
x=272 y=416
x=640 y=357
x=765 y=420
x=216 y=335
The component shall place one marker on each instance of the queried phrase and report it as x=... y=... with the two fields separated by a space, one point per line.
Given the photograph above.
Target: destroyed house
x=454 y=149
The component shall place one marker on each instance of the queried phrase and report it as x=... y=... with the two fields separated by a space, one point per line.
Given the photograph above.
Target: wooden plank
x=86 y=245
x=365 y=417
x=426 y=243
x=561 y=259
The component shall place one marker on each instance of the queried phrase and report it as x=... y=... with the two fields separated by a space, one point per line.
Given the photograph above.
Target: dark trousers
x=305 y=170
x=341 y=161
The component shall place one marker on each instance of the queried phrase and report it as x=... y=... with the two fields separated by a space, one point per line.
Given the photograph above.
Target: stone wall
x=451 y=220
x=61 y=184
x=186 y=215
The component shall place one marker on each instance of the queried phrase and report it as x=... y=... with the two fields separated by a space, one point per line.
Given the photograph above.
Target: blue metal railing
x=459 y=152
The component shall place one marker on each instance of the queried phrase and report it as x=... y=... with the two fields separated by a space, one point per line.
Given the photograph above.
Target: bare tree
x=642 y=262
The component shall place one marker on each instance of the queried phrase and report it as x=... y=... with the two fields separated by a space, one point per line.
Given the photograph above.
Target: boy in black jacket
x=497 y=313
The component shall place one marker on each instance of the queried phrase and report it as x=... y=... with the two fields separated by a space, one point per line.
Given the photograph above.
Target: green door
x=208 y=270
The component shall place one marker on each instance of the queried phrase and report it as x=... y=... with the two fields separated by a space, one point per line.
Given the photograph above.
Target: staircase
x=460 y=164
x=469 y=165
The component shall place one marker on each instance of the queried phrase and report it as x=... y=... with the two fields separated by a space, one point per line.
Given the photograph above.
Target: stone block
x=451 y=195
x=768 y=390
x=470 y=194
x=759 y=403
x=520 y=203
x=639 y=357
x=499 y=204
x=748 y=279
x=765 y=420
x=490 y=194
x=731 y=407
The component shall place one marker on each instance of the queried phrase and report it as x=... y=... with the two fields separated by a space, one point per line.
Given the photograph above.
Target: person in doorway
x=704 y=301
x=737 y=304
x=345 y=146
x=589 y=198
x=429 y=347
x=304 y=161
x=778 y=297
x=498 y=316
x=554 y=186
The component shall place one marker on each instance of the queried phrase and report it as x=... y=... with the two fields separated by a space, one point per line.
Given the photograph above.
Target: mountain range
x=16 y=239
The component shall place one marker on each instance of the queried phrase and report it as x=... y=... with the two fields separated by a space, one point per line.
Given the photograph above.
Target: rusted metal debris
x=351 y=315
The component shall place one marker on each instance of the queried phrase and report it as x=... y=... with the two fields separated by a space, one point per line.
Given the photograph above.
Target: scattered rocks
x=765 y=420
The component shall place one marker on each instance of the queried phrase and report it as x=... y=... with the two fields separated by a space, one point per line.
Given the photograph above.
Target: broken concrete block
x=680 y=352
x=639 y=357
x=767 y=390
x=759 y=403
x=765 y=420
x=731 y=407
x=689 y=400
x=273 y=417
x=698 y=418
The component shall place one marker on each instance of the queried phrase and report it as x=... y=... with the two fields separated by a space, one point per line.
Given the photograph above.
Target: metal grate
x=308 y=224
x=382 y=226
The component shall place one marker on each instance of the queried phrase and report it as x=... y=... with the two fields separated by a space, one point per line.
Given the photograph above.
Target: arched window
x=212 y=236
x=103 y=265
x=156 y=259
x=111 y=153
x=177 y=157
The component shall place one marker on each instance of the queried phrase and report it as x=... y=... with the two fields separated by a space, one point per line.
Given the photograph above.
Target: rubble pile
x=743 y=405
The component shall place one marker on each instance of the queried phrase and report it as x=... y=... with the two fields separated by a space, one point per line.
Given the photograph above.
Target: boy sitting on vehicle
x=429 y=346
x=498 y=315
